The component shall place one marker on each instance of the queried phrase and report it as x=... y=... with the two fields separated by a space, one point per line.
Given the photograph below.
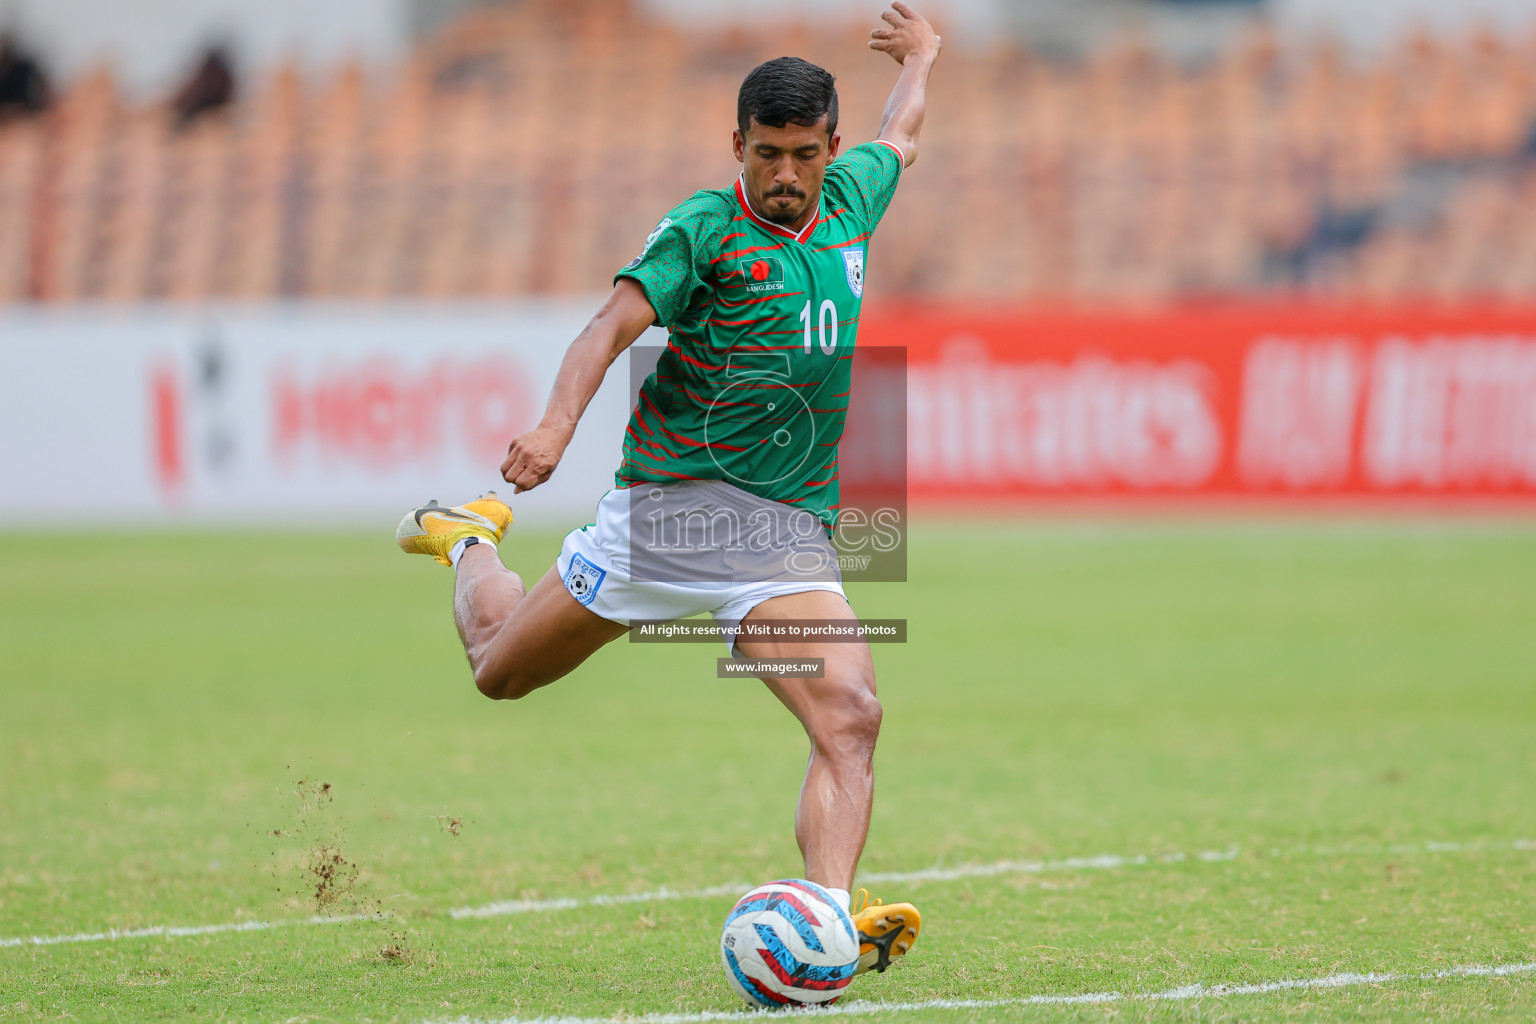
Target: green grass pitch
x=207 y=729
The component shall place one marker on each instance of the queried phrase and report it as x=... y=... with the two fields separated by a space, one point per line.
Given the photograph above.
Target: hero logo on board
x=211 y=421
x=381 y=413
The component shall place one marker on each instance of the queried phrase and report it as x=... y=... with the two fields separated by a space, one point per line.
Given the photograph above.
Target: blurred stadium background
x=1152 y=247
x=1117 y=153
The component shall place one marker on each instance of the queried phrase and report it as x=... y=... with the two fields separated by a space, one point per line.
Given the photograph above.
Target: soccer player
x=759 y=285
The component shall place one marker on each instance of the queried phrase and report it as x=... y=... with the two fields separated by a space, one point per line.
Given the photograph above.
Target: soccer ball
x=788 y=942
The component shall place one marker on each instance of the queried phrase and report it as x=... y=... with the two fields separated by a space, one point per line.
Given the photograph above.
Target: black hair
x=785 y=90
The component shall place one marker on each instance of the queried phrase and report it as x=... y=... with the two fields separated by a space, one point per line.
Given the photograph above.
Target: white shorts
x=596 y=563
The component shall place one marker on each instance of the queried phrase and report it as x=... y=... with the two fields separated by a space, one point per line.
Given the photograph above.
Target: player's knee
x=499 y=684
x=868 y=715
x=502 y=683
x=489 y=683
x=849 y=722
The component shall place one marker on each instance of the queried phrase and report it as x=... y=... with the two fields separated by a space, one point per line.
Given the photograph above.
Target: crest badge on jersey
x=583 y=578
x=650 y=240
x=853 y=263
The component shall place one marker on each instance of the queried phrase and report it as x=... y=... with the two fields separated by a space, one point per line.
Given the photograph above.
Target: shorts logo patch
x=853 y=263
x=583 y=578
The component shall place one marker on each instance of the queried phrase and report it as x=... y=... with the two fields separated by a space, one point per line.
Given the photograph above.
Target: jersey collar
x=769 y=226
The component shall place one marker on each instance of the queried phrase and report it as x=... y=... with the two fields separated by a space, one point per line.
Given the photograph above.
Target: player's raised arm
x=533 y=456
x=913 y=44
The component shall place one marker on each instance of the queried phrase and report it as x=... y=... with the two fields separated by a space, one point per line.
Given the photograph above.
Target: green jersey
x=753 y=385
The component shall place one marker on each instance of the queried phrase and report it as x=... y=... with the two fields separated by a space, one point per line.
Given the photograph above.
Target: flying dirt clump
x=332 y=877
x=397 y=950
x=328 y=876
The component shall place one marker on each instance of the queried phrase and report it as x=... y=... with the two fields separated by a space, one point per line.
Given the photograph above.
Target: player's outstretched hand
x=908 y=33
x=532 y=457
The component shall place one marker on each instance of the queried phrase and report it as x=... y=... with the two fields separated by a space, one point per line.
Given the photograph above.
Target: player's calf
x=517 y=643
x=516 y=640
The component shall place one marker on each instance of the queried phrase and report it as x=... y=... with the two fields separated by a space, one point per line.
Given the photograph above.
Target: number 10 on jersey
x=825 y=316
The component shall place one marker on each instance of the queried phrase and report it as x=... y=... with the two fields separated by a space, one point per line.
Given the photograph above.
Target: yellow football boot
x=884 y=931
x=434 y=530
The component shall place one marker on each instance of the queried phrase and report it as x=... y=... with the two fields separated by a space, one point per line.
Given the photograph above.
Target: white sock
x=457 y=551
x=840 y=897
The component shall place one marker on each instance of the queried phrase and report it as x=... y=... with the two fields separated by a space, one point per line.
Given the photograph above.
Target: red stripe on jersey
x=690 y=442
x=661 y=418
x=665 y=472
x=671 y=382
x=662 y=447
x=685 y=357
x=641 y=443
x=760 y=384
x=840 y=245
x=635 y=453
x=742 y=252
x=651 y=442
x=717 y=404
x=766 y=298
x=744 y=323
x=761 y=333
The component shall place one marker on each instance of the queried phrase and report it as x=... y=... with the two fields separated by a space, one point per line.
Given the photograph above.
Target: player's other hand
x=908 y=33
x=533 y=456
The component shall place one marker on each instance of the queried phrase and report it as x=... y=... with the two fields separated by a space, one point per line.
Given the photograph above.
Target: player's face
x=784 y=168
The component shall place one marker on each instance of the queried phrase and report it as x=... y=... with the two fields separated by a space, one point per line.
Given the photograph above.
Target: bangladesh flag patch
x=762 y=273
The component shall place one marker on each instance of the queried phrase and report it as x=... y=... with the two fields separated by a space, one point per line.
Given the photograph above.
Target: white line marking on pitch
x=1006 y=867
x=113 y=934
x=501 y=907
x=935 y=874
x=1187 y=993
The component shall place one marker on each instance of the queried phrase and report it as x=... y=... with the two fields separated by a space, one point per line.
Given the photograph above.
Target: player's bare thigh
x=548 y=635
x=845 y=694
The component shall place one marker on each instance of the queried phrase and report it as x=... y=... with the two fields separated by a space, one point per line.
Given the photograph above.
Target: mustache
x=783 y=190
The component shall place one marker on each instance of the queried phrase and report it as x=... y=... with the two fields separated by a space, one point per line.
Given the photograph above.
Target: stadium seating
x=528 y=150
